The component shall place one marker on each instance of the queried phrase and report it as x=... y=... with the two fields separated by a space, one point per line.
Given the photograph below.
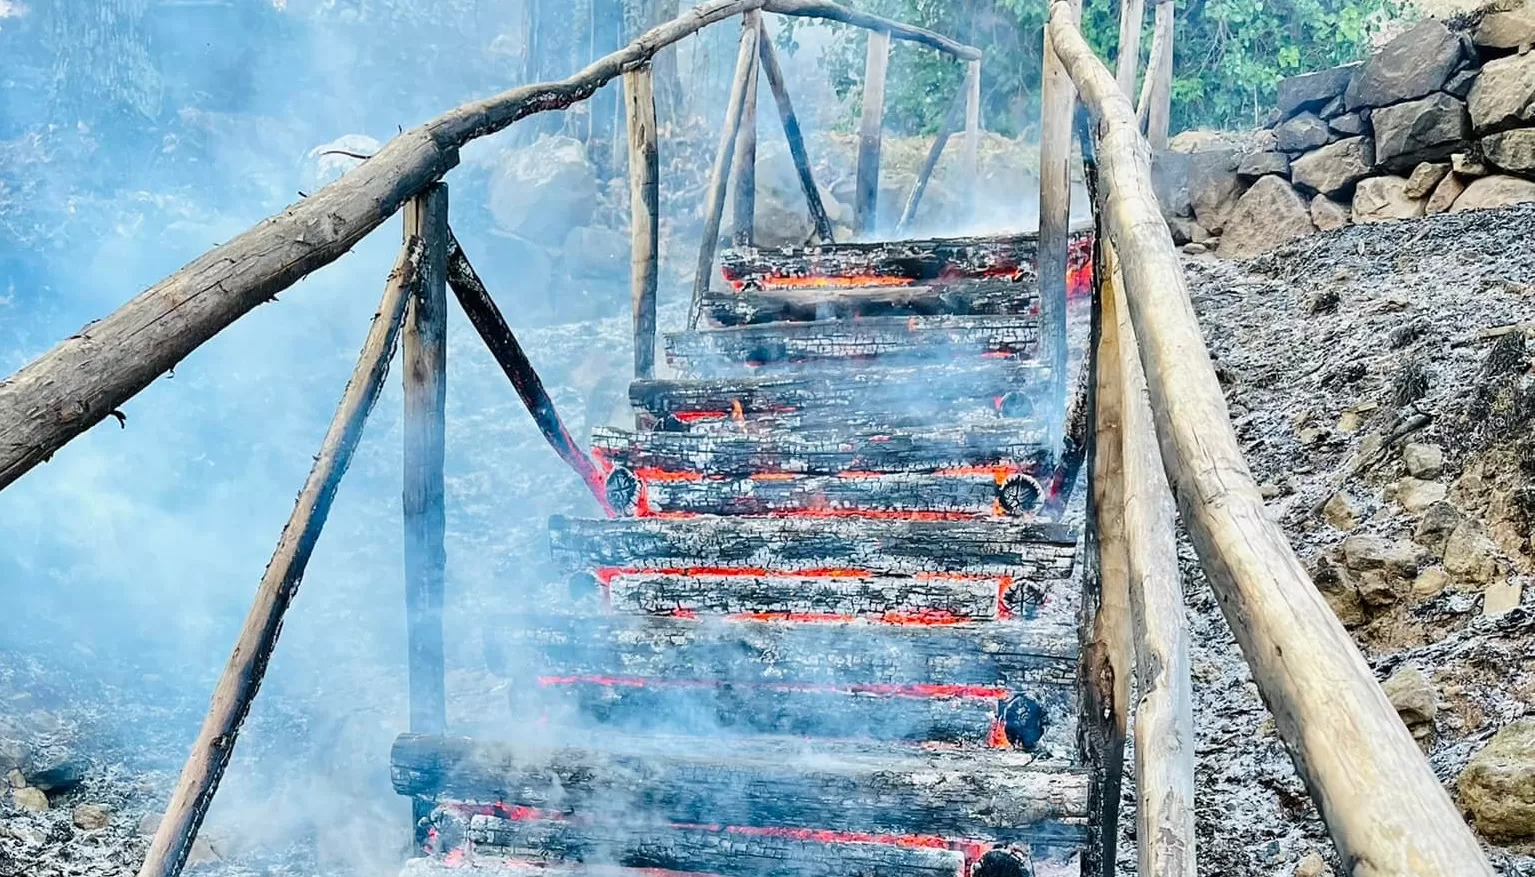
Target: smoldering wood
x=1076 y=441
x=872 y=495
x=799 y=304
x=769 y=58
x=492 y=327
x=644 y=215
x=995 y=795
x=951 y=124
x=841 y=592
x=705 y=849
x=1034 y=550
x=242 y=676
x=1384 y=807
x=891 y=451
x=870 y=130
x=1011 y=653
x=719 y=174
x=728 y=350
x=744 y=190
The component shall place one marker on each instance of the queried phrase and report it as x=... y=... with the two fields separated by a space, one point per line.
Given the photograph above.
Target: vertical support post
x=951 y=123
x=644 y=214
x=425 y=375
x=1131 y=15
x=973 y=130
x=1057 y=103
x=744 y=195
x=791 y=132
x=1159 y=79
x=870 y=128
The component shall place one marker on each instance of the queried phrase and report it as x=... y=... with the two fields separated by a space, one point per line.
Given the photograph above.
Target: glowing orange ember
x=851 y=281
x=925 y=691
x=736 y=412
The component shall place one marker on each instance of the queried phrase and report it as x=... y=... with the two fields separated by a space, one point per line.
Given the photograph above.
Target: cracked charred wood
x=869 y=495
x=840 y=592
x=707 y=849
x=914 y=338
x=1031 y=550
x=791 y=130
x=993 y=795
x=951 y=125
x=1387 y=812
x=893 y=451
x=871 y=122
x=801 y=304
x=247 y=665
x=644 y=214
x=1013 y=654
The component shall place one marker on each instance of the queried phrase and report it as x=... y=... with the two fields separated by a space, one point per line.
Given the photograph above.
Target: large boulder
x=1170 y=182
x=1327 y=214
x=1213 y=186
x=1507 y=28
x=1380 y=199
x=1512 y=151
x=1312 y=91
x=1414 y=64
x=596 y=254
x=1336 y=167
x=1303 y=132
x=1425 y=177
x=1348 y=124
x=1498 y=191
x=1427 y=129
x=1259 y=164
x=1267 y=215
x=1504 y=95
x=543 y=190
x=1498 y=787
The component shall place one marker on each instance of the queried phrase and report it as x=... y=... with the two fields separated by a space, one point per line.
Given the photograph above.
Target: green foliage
x=1228 y=54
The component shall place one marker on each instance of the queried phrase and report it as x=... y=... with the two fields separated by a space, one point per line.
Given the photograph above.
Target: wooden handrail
x=909 y=33
x=1385 y=809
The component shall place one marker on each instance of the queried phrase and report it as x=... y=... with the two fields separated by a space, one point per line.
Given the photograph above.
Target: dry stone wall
x=1442 y=119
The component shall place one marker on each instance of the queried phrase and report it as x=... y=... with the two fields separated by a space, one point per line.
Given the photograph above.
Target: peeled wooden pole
x=950 y=124
x=973 y=129
x=744 y=192
x=247 y=665
x=644 y=215
x=871 y=123
x=1057 y=106
x=847 y=15
x=791 y=131
x=719 y=177
x=1156 y=92
x=1385 y=809
x=1132 y=13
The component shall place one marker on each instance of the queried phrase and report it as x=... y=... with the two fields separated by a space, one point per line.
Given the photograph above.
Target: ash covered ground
x=1335 y=353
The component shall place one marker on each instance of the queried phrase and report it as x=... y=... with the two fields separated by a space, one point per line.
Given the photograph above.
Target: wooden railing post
x=425 y=373
x=1155 y=109
x=1132 y=13
x=791 y=131
x=973 y=131
x=744 y=196
x=1057 y=103
x=870 y=131
x=644 y=214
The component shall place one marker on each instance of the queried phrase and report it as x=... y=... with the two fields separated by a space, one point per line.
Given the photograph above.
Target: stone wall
x=1440 y=119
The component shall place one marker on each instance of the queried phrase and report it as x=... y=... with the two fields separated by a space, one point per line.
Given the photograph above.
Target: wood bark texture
x=791 y=130
x=1132 y=15
x=972 y=164
x=644 y=215
x=247 y=665
x=1156 y=91
x=1386 y=811
x=871 y=123
x=847 y=15
x=1057 y=105
x=744 y=192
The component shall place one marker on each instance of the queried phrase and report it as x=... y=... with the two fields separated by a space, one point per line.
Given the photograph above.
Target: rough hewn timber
x=1386 y=811
x=644 y=215
x=995 y=795
x=791 y=130
x=1033 y=550
x=833 y=592
x=871 y=495
x=871 y=124
x=1011 y=654
x=800 y=304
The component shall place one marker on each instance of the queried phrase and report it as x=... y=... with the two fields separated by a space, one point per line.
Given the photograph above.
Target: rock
x=1348 y=124
x=1381 y=199
x=1512 y=151
x=13 y=754
x=1490 y=192
x=1170 y=182
x=1430 y=583
x=1213 y=186
x=1416 y=700
x=1465 y=164
x=59 y=774
x=1498 y=786
x=30 y=799
x=1335 y=167
x=202 y=852
x=543 y=190
x=1460 y=84
x=1267 y=215
x=1469 y=555
x=1379 y=588
x=1197 y=140
x=1506 y=28
x=1415 y=495
x=1414 y=64
x=1194 y=248
x=1312 y=865
x=596 y=253
x=1500 y=596
x=91 y=816
x=149 y=823
x=1324 y=300
x=1258 y=164
x=1186 y=230
x=1425 y=178
x=1327 y=214
x=1434 y=528
x=1423 y=461
x=1504 y=94
x=1444 y=194
x=1366 y=553
x=1308 y=91
x=1428 y=129
x=15 y=780
x=1301 y=133
x=1338 y=591
x=1341 y=513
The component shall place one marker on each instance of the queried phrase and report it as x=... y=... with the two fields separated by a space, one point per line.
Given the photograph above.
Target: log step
x=993 y=795
x=712 y=352
x=803 y=304
x=813 y=594
x=1030 y=551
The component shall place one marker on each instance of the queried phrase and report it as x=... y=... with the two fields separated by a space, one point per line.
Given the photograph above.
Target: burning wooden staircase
x=834 y=629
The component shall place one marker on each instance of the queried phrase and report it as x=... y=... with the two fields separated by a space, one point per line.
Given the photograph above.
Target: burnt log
x=1037 y=551
x=1011 y=654
x=836 y=592
x=730 y=349
x=963 y=494
x=993 y=795
x=806 y=303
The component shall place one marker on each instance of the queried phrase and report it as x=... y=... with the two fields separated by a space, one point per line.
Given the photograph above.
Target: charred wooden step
x=952 y=494
x=814 y=594
x=1030 y=551
x=995 y=795
x=1015 y=655
x=727 y=350
x=801 y=304
x=884 y=397
x=743 y=455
